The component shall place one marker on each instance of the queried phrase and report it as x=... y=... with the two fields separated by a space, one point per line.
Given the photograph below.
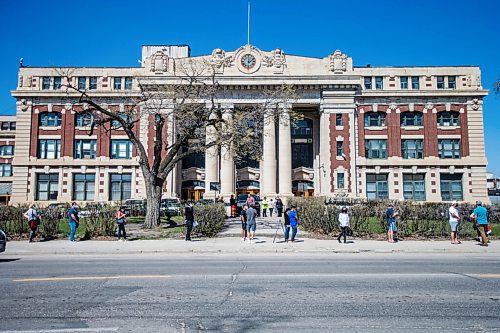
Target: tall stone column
x=268 y=164
x=211 y=163
x=285 y=156
x=227 y=164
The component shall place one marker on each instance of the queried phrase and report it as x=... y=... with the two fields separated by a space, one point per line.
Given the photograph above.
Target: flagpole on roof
x=248 y=24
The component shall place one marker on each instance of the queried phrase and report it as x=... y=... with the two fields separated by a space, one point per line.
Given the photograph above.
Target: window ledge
x=411 y=128
x=340 y=158
x=339 y=128
x=449 y=128
x=376 y=128
x=49 y=128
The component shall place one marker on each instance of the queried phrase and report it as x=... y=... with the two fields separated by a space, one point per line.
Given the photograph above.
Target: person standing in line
x=74 y=221
x=271 y=207
x=264 y=205
x=232 y=203
x=189 y=215
x=243 y=218
x=250 y=200
x=481 y=217
x=391 y=222
x=343 y=224
x=287 y=224
x=454 y=218
x=33 y=221
x=294 y=222
x=279 y=206
x=251 y=223
x=120 y=222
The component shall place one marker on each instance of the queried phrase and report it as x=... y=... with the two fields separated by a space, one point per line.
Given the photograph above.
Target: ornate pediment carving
x=219 y=60
x=159 y=62
x=338 y=62
x=276 y=60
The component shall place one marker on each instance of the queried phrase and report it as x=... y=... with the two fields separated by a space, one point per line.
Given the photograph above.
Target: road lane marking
x=87 y=278
x=497 y=276
x=71 y=330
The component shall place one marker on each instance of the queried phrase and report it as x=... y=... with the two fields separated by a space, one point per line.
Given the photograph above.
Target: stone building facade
x=412 y=133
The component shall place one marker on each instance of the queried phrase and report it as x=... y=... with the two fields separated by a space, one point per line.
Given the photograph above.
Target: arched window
x=448 y=118
x=411 y=119
x=50 y=119
x=375 y=119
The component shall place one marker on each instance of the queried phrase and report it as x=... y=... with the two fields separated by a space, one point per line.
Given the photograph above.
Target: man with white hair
x=454 y=218
x=481 y=218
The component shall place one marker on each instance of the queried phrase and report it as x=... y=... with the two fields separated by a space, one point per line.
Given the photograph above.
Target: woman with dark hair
x=189 y=214
x=121 y=221
x=343 y=224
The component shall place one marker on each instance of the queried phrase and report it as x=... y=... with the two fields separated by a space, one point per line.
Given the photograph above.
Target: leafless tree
x=187 y=106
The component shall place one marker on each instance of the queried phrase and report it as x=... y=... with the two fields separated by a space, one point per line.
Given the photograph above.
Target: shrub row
x=210 y=218
x=368 y=217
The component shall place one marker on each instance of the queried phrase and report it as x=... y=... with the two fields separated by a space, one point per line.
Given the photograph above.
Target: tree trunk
x=153 y=198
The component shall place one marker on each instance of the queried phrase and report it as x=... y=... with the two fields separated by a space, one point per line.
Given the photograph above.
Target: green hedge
x=368 y=217
x=210 y=218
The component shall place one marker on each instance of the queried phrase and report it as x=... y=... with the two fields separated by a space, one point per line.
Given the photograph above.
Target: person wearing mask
x=294 y=222
x=343 y=224
x=74 y=221
x=189 y=214
x=264 y=205
x=279 y=206
x=120 y=222
x=243 y=218
x=454 y=219
x=251 y=223
x=481 y=218
x=33 y=221
x=287 y=224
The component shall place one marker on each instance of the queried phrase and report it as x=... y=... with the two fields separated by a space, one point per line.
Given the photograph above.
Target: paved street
x=324 y=292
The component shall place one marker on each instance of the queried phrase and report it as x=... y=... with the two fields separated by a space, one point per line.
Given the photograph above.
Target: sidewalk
x=233 y=245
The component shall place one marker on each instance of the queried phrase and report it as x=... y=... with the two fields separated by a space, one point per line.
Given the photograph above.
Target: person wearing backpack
x=33 y=221
x=121 y=221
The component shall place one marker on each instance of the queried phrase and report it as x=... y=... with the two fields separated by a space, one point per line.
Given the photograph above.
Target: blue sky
x=380 y=33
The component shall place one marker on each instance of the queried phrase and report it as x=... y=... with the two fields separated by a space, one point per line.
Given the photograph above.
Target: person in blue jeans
x=481 y=218
x=287 y=224
x=391 y=222
x=74 y=221
x=294 y=222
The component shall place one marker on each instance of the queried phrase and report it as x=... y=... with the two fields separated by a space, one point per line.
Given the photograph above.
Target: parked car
x=170 y=207
x=241 y=200
x=134 y=207
x=3 y=241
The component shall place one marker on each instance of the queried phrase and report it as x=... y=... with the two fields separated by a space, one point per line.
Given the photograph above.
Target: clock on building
x=248 y=61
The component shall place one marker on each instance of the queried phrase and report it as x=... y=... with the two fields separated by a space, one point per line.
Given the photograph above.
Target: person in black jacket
x=287 y=224
x=189 y=213
x=279 y=206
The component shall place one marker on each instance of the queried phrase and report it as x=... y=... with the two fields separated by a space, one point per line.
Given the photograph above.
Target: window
x=5 y=126
x=376 y=148
x=452 y=82
x=449 y=148
x=121 y=149
x=47 y=186
x=12 y=126
x=340 y=180
x=5 y=170
x=84 y=119
x=128 y=83
x=82 y=83
x=414 y=187
x=7 y=150
x=93 y=83
x=117 y=83
x=49 y=149
x=446 y=118
x=338 y=119
x=50 y=119
x=412 y=149
x=45 y=83
x=340 y=149
x=376 y=119
x=411 y=119
x=440 y=82
x=379 y=82
x=120 y=187
x=83 y=186
x=85 y=149
x=368 y=82
x=377 y=187
x=415 y=82
x=57 y=83
x=115 y=124
x=451 y=187
x=404 y=82
x=302 y=155
x=302 y=128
